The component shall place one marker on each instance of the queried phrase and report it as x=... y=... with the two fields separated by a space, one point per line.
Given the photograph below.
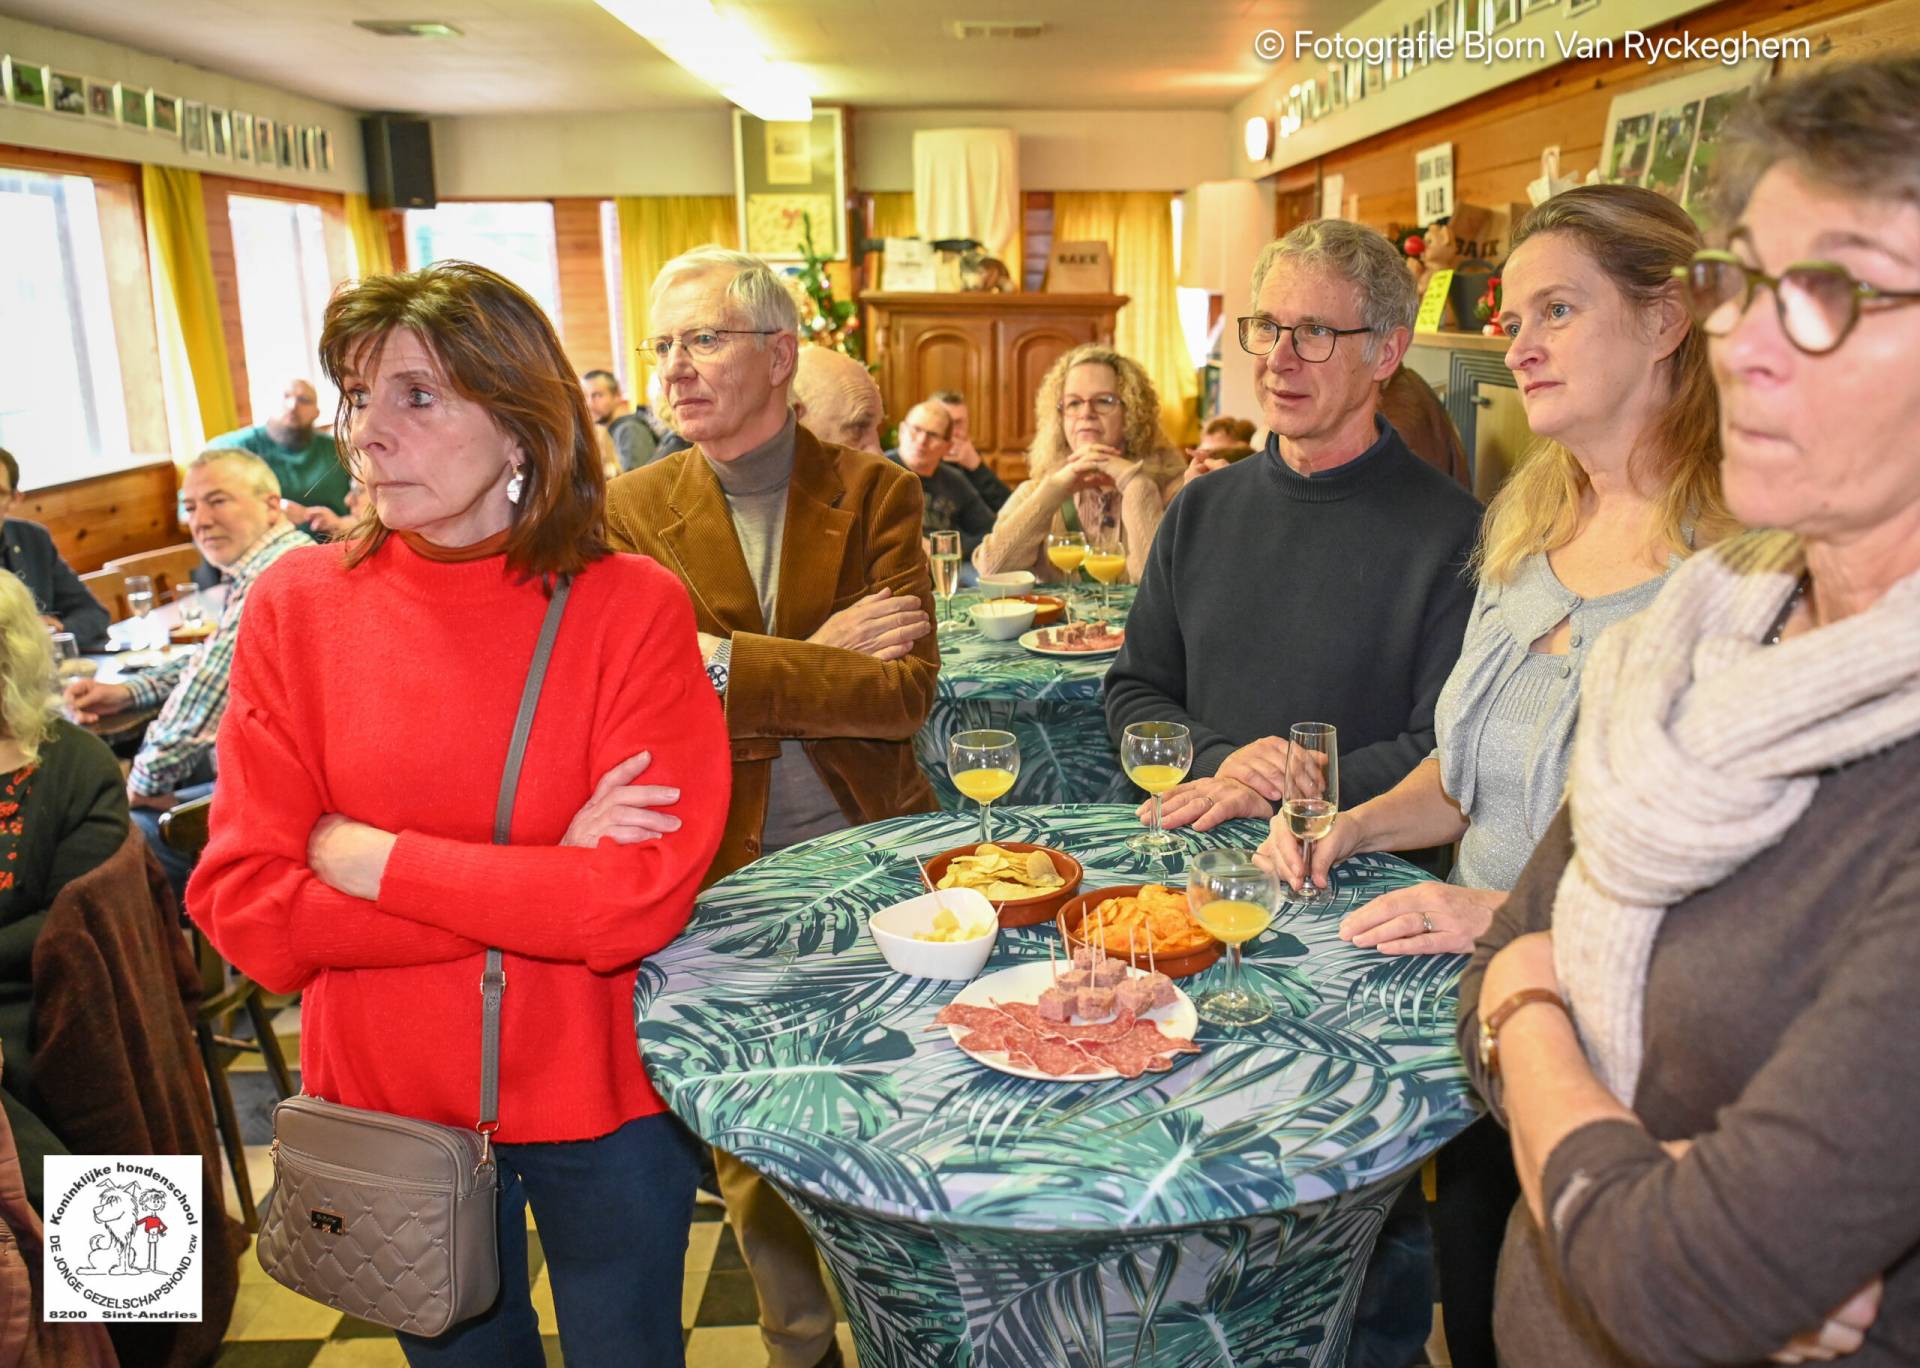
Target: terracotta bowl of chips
x=1189 y=956
x=1047 y=609
x=1020 y=911
x=187 y=633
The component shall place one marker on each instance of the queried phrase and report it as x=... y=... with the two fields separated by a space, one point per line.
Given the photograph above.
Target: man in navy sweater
x=1318 y=581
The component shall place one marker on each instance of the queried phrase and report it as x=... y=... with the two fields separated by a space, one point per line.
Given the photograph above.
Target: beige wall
x=1059 y=149
x=1429 y=89
x=681 y=152
x=88 y=136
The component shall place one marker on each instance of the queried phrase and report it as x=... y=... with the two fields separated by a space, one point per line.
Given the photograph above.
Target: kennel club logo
x=124 y=1237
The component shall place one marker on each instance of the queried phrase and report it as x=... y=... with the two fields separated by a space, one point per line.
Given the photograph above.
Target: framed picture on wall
x=220 y=133
x=322 y=150
x=163 y=113
x=131 y=102
x=193 y=126
x=1666 y=137
x=263 y=142
x=242 y=136
x=100 y=99
x=67 y=93
x=306 y=148
x=26 y=83
x=788 y=175
x=284 y=137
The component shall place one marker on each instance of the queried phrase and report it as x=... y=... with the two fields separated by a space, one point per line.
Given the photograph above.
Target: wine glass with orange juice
x=1107 y=563
x=983 y=765
x=1233 y=898
x=1156 y=756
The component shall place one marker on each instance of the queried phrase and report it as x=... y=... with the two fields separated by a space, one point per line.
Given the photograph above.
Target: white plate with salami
x=997 y=1021
x=1076 y=639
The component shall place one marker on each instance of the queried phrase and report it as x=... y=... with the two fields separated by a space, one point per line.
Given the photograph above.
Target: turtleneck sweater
x=799 y=804
x=387 y=693
x=1272 y=598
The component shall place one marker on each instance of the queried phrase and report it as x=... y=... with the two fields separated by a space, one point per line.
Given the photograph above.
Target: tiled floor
x=275 y=1328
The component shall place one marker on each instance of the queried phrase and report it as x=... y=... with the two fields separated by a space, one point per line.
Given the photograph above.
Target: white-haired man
x=836 y=399
x=232 y=502
x=771 y=528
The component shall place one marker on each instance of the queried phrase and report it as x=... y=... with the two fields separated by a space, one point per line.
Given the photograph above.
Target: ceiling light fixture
x=721 y=52
x=408 y=28
x=1259 y=136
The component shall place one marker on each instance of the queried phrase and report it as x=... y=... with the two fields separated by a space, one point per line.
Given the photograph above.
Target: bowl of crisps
x=1142 y=918
x=1047 y=608
x=945 y=935
x=1027 y=882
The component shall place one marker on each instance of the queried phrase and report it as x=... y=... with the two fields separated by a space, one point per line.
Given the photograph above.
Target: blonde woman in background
x=1099 y=464
x=1623 y=486
x=63 y=812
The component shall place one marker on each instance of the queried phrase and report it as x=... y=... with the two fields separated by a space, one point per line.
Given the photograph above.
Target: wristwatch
x=1490 y=1028
x=717 y=666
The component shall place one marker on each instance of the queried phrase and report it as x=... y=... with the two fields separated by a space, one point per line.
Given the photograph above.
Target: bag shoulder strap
x=493 y=982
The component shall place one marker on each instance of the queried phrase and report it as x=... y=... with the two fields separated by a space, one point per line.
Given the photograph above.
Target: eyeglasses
x=1311 y=341
x=1099 y=403
x=701 y=343
x=1818 y=301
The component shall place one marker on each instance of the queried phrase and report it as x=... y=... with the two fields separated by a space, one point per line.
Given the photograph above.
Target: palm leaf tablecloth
x=1052 y=704
x=1218 y=1214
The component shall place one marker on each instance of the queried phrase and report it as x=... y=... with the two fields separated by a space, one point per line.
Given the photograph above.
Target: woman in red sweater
x=373 y=696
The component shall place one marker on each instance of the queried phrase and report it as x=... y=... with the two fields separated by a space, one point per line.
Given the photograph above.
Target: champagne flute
x=1233 y=898
x=944 y=554
x=140 y=603
x=1313 y=794
x=1106 y=562
x=984 y=765
x=1156 y=756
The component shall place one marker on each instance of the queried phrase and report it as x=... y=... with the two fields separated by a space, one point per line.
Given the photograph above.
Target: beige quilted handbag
x=385 y=1217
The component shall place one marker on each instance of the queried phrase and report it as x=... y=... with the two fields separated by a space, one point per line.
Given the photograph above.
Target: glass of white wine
x=1313 y=794
x=1233 y=898
x=1156 y=756
x=140 y=603
x=983 y=765
x=1107 y=563
x=943 y=551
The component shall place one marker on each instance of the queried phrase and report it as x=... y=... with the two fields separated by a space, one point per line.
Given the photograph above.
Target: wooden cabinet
x=993 y=348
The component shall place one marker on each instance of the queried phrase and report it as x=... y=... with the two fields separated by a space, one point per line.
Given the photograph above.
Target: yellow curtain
x=372 y=249
x=193 y=349
x=893 y=215
x=654 y=229
x=1137 y=226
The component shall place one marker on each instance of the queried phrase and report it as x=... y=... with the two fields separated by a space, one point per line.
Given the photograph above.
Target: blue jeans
x=1395 y=1314
x=613 y=1215
x=177 y=866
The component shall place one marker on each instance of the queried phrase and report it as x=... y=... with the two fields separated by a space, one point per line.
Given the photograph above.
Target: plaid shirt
x=195 y=685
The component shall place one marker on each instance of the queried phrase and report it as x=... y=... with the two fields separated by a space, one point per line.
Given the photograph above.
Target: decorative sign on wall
x=786 y=175
x=1433 y=171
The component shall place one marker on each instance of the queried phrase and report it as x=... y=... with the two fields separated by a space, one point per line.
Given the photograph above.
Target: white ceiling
x=558 y=56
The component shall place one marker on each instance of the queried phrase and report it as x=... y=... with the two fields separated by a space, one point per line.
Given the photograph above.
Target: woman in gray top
x=1696 y=1009
x=1623 y=485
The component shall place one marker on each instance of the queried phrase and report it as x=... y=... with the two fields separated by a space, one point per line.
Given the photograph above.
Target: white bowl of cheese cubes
x=944 y=935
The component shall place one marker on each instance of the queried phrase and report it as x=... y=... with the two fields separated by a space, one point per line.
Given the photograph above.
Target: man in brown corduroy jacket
x=814 y=604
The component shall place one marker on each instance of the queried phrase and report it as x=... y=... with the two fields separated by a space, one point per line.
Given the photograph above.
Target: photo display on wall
x=1666 y=137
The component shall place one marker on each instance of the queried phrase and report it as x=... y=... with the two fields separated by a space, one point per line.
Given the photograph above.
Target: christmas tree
x=829 y=322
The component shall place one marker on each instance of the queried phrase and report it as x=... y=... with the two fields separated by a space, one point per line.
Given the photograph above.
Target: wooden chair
x=225 y=992
x=110 y=587
x=170 y=567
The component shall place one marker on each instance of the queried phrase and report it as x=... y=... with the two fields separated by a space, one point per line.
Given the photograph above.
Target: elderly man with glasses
x=952 y=502
x=814 y=606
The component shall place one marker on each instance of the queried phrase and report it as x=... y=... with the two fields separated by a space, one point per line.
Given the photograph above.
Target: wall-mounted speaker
x=399 y=162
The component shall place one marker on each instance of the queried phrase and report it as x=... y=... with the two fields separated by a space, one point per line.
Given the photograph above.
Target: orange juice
x=1066 y=559
x=983 y=785
x=1106 y=566
x=1157 y=778
x=1233 y=921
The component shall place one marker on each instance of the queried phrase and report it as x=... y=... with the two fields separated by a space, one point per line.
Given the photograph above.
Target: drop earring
x=516 y=485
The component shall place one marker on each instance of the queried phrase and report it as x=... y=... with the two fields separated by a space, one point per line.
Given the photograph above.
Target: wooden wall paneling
x=1497 y=136
x=1028 y=349
x=1878 y=31
x=928 y=354
x=1036 y=238
x=226 y=284
x=585 y=324
x=97 y=520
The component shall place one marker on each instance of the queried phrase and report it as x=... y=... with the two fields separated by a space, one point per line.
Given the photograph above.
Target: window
x=63 y=412
x=1192 y=304
x=515 y=239
x=280 y=265
x=625 y=363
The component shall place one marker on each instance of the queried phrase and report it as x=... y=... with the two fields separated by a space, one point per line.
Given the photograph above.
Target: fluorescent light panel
x=720 y=52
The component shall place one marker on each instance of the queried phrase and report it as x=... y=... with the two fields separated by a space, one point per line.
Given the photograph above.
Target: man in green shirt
x=304 y=459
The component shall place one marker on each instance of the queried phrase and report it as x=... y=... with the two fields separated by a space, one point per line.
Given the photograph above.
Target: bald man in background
x=303 y=458
x=835 y=398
